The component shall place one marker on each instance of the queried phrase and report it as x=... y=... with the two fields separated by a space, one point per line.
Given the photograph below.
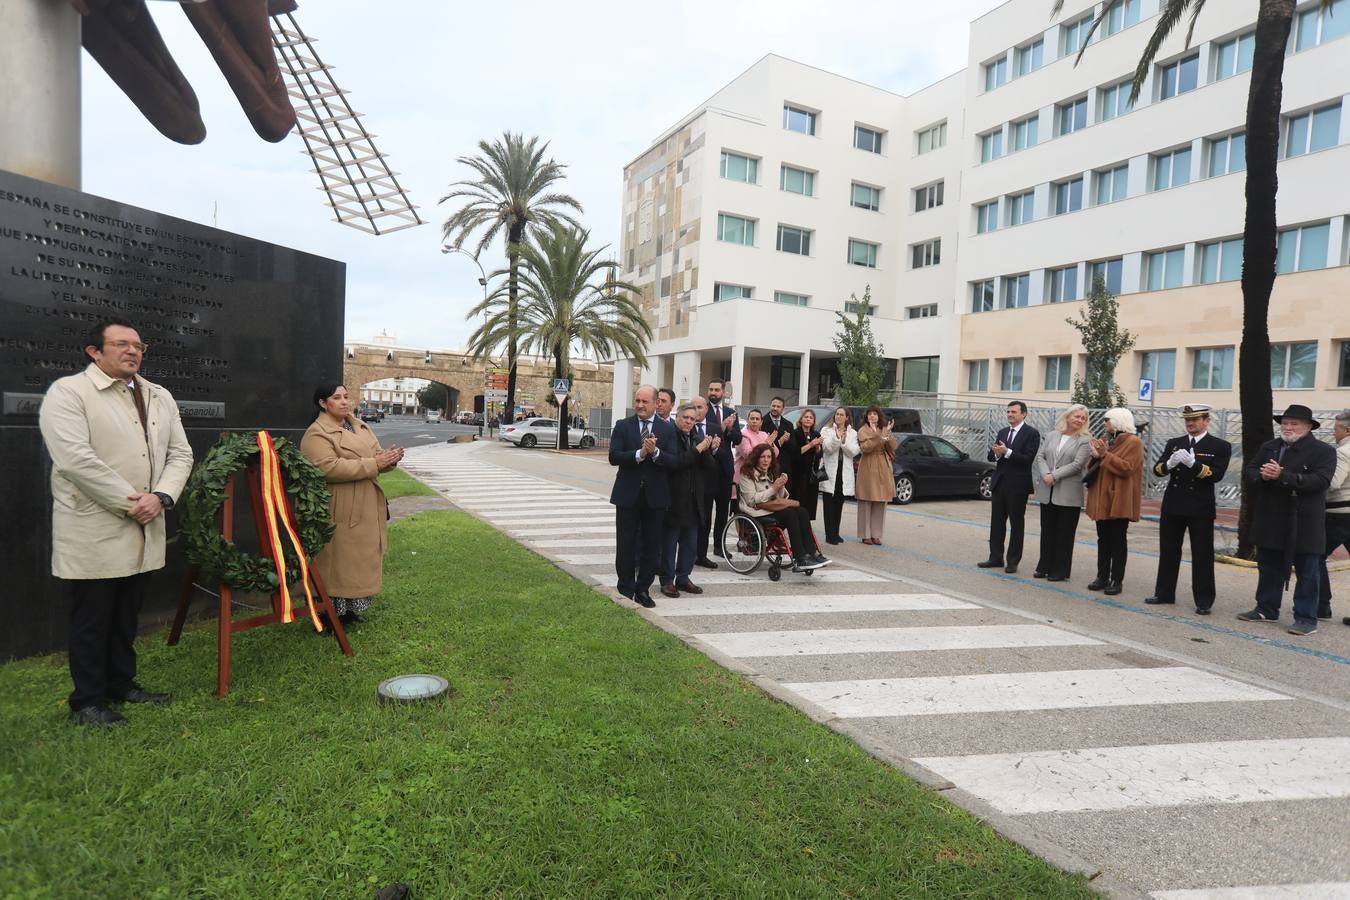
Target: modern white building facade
x=978 y=210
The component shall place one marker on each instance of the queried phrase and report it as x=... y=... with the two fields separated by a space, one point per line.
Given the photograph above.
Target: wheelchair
x=750 y=543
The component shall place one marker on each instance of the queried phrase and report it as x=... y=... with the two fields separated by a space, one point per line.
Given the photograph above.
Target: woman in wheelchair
x=763 y=496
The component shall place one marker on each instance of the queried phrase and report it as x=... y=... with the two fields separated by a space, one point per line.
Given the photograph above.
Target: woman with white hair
x=1115 y=480
x=1057 y=475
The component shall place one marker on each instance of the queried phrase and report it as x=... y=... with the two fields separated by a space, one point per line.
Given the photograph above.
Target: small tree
x=1104 y=343
x=860 y=369
x=434 y=396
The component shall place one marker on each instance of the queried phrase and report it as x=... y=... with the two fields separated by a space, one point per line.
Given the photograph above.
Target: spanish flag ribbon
x=277 y=510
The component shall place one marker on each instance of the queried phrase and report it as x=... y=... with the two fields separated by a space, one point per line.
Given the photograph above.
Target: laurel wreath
x=199 y=519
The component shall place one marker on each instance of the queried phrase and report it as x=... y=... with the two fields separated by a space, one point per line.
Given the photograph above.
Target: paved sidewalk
x=1175 y=755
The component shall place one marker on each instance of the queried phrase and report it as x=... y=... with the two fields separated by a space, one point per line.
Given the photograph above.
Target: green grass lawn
x=584 y=753
x=398 y=483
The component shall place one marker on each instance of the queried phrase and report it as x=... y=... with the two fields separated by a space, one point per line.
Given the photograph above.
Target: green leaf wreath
x=199 y=520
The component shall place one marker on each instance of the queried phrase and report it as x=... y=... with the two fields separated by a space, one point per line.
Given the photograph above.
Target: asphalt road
x=412 y=431
x=1182 y=756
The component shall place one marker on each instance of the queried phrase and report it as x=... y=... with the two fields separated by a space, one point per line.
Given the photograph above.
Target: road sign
x=560 y=386
x=1146 y=389
x=495 y=395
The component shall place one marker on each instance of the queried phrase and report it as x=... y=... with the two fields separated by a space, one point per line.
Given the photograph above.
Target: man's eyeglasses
x=123 y=345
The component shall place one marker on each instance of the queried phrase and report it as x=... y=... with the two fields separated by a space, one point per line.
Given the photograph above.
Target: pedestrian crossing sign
x=560 y=386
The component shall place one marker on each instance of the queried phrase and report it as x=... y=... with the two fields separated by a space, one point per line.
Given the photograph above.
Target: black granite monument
x=240 y=332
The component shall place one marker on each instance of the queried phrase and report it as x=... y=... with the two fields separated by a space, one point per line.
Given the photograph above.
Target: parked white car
x=543 y=432
x=433 y=417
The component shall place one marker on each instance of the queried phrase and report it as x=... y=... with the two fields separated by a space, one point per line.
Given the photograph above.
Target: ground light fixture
x=411 y=688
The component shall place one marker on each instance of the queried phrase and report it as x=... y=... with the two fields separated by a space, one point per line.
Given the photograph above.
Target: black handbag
x=1090 y=476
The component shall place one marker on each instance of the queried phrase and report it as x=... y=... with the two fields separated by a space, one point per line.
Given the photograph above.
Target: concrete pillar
x=686 y=380
x=736 y=389
x=622 y=397
x=40 y=100
x=804 y=382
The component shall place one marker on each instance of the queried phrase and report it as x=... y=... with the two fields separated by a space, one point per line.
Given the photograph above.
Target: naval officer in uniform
x=1193 y=464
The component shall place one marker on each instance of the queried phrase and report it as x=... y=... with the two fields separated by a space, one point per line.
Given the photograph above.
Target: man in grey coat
x=120 y=458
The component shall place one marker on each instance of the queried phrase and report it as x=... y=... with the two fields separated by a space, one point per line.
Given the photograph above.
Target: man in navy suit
x=642 y=446
x=1012 y=454
x=721 y=420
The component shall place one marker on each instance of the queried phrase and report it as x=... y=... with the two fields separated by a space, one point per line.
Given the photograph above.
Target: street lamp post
x=483 y=281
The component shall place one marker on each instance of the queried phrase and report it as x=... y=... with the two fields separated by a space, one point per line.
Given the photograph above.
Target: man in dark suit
x=1196 y=462
x=1013 y=452
x=705 y=426
x=778 y=428
x=642 y=447
x=722 y=415
x=665 y=406
x=689 y=467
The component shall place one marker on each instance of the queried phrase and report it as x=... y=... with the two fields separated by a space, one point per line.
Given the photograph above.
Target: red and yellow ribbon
x=276 y=509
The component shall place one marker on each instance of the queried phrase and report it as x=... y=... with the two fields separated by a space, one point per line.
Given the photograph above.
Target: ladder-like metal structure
x=362 y=190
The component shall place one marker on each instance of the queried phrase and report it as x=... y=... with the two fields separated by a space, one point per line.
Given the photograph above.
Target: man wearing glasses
x=119 y=460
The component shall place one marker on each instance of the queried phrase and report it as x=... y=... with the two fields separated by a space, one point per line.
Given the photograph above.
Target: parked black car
x=928 y=466
x=372 y=414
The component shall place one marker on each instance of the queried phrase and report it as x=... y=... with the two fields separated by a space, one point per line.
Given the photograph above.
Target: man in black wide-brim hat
x=1289 y=477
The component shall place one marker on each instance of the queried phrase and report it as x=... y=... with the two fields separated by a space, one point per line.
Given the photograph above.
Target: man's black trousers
x=103 y=615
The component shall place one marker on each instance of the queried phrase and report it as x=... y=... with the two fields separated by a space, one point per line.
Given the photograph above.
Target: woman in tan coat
x=875 y=484
x=350 y=457
x=1113 y=495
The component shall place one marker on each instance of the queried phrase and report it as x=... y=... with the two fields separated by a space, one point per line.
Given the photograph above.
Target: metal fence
x=972 y=425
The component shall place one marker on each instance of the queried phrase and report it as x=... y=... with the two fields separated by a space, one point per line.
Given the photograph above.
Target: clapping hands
x=1182 y=457
x=387 y=459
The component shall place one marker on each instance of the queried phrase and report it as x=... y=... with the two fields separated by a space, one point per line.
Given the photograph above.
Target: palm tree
x=568 y=298
x=514 y=189
x=1274 y=19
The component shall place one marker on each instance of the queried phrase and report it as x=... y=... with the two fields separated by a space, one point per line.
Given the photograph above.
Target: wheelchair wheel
x=775 y=571
x=743 y=540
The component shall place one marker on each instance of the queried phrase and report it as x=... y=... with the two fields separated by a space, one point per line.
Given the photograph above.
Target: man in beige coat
x=119 y=460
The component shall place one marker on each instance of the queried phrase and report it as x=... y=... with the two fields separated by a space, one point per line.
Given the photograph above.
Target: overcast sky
x=599 y=80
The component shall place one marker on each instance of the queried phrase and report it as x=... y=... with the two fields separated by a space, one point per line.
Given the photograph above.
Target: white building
x=977 y=207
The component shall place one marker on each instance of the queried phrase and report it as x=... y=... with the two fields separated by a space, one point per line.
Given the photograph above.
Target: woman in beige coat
x=876 y=474
x=350 y=457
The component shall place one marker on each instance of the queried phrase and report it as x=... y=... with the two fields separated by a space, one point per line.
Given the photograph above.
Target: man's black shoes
x=644 y=599
x=139 y=694
x=1097 y=584
x=705 y=563
x=1159 y=601
x=990 y=564
x=1202 y=610
x=1011 y=568
x=97 y=716
x=1113 y=588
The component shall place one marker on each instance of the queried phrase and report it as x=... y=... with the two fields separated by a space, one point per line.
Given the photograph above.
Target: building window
x=735 y=229
x=1025 y=132
x=1300 y=249
x=1228 y=154
x=928 y=197
x=794 y=240
x=1213 y=369
x=1179 y=77
x=785 y=372
x=1316 y=130
x=977 y=375
x=1234 y=56
x=862 y=253
x=986 y=217
x=996 y=73
x=1112 y=184
x=1010 y=375
x=926 y=311
x=1021 y=208
x=731 y=292
x=1121 y=16
x=1317 y=26
x=1161 y=366
x=1171 y=169
x=932 y=138
x=868 y=139
x=1058 y=372
x=800 y=120
x=1109 y=271
x=1016 y=290
x=1115 y=101
x=851 y=307
x=791 y=299
x=1029 y=58
x=1074 y=36
x=1221 y=261
x=1069 y=196
x=864 y=196
x=737 y=167
x=1164 y=269
x=797 y=181
x=982 y=296
x=929 y=253
x=1063 y=284
x=991 y=145
x=1343 y=370
x=919 y=374
x=1071 y=115
x=1293 y=367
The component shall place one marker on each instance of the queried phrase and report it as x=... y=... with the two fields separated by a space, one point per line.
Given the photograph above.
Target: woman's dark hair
x=881 y=416
x=752 y=460
x=324 y=391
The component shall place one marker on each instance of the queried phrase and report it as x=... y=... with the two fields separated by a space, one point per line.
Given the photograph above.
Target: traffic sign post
x=1146 y=393
x=560 y=389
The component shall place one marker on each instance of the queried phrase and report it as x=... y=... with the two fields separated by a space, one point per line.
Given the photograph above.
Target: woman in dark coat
x=800 y=458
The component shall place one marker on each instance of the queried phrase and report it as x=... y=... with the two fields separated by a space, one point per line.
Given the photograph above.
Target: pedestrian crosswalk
x=921 y=671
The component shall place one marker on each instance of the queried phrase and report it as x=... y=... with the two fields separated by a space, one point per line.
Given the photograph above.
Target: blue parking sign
x=1145 y=389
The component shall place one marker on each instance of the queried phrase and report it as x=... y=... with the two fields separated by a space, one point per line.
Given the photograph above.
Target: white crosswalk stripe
x=1322 y=890
x=830 y=575
x=563 y=544
x=890 y=640
x=531 y=533
x=790 y=604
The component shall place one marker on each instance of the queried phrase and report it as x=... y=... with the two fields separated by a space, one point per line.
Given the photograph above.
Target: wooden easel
x=227 y=626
